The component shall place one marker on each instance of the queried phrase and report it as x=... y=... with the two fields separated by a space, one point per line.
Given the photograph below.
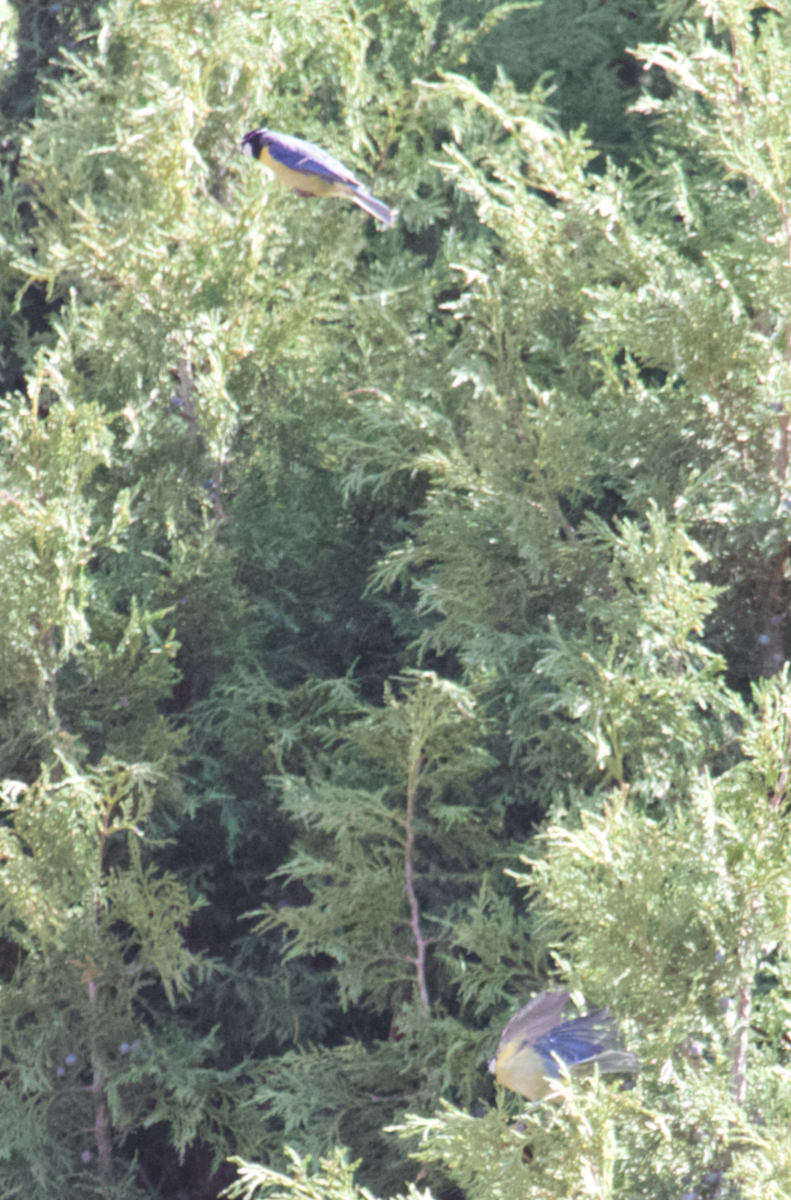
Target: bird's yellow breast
x=522 y=1069
x=300 y=181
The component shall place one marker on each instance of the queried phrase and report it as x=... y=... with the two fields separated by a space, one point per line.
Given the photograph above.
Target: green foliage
x=544 y=419
x=148 y=434
x=640 y=678
x=30 y=39
x=582 y=49
x=334 y=1179
x=96 y=930
x=368 y=856
x=495 y=959
x=342 y=1096
x=388 y=868
x=47 y=543
x=605 y=350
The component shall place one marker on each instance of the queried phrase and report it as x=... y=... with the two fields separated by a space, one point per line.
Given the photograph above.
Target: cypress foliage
x=394 y=624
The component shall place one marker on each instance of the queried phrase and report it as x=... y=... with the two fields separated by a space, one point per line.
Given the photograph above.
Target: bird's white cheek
x=247 y=149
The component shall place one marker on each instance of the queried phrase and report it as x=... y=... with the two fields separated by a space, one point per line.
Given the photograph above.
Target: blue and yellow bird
x=536 y=1041
x=310 y=171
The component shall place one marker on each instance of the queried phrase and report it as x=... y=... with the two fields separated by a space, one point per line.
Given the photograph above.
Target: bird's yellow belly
x=301 y=181
x=523 y=1072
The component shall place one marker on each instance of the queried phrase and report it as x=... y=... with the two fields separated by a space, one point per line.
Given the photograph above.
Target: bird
x=310 y=171
x=536 y=1044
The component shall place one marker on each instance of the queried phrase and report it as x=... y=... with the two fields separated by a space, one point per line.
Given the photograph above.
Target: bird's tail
x=617 y=1061
x=372 y=206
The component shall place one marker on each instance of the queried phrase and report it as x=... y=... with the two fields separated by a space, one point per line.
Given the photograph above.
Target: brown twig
x=741 y=1037
x=419 y=959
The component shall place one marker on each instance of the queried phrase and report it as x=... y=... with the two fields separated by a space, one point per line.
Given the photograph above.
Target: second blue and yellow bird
x=310 y=171
x=536 y=1041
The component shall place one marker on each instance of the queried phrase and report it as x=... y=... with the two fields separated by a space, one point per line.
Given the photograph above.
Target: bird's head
x=254 y=142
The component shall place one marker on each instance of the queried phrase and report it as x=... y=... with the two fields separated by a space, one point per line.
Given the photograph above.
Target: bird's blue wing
x=539 y=1017
x=292 y=152
x=579 y=1040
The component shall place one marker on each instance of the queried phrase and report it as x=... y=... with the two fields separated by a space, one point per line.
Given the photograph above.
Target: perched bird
x=535 y=1043
x=310 y=171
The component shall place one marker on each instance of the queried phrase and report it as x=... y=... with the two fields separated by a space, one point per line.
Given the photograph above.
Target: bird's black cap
x=254 y=142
